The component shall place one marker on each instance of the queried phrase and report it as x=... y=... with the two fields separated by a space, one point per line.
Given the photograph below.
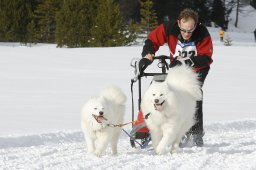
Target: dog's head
x=157 y=95
x=97 y=107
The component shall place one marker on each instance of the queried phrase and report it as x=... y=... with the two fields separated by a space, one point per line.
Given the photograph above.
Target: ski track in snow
x=228 y=145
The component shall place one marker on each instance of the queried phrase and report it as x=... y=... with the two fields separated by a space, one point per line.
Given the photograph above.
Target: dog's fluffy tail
x=114 y=94
x=183 y=78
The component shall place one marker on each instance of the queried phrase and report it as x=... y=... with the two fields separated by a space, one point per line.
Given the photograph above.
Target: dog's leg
x=102 y=142
x=114 y=141
x=168 y=138
x=175 y=146
x=156 y=136
x=90 y=142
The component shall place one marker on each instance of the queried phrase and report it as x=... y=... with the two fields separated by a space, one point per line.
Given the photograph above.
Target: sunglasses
x=187 y=31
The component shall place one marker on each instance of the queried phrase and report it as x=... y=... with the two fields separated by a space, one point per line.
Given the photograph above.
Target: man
x=189 y=43
x=221 y=34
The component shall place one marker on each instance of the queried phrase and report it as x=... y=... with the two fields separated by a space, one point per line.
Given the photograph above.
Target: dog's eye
x=154 y=94
x=161 y=94
x=95 y=108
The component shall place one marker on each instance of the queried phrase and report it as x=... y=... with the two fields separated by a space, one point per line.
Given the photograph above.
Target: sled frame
x=135 y=137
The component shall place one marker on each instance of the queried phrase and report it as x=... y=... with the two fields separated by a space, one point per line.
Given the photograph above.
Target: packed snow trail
x=228 y=145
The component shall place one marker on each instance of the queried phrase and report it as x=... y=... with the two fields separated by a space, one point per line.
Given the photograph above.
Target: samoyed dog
x=171 y=106
x=98 y=114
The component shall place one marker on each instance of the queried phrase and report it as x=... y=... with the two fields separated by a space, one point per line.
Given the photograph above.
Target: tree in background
x=8 y=22
x=130 y=10
x=109 y=28
x=229 y=6
x=187 y=4
x=239 y=5
x=73 y=22
x=218 y=13
x=167 y=9
x=203 y=11
x=32 y=36
x=172 y=8
x=15 y=16
x=45 y=16
x=237 y=12
x=200 y=6
x=148 y=16
x=78 y=23
x=253 y=3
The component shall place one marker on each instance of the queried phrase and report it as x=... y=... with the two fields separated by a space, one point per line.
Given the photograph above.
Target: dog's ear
x=92 y=98
x=102 y=98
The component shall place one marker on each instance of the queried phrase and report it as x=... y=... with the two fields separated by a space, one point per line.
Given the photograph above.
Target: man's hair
x=187 y=14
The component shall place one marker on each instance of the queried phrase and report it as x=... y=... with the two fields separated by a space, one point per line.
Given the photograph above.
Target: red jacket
x=199 y=48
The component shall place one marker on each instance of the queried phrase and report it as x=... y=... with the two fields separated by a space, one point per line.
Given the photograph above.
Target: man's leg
x=196 y=133
x=198 y=130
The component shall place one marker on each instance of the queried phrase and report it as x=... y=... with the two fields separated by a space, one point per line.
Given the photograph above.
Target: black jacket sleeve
x=148 y=48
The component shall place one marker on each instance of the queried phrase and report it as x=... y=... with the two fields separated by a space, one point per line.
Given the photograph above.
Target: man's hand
x=181 y=61
x=149 y=56
x=144 y=63
x=185 y=61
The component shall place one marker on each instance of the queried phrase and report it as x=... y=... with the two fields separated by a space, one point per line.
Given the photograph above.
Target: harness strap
x=121 y=125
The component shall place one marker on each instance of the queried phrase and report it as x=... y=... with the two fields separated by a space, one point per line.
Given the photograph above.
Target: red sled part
x=140 y=120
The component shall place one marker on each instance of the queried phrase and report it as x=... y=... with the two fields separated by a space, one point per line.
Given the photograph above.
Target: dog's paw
x=98 y=153
x=160 y=150
x=90 y=151
x=175 y=150
x=114 y=152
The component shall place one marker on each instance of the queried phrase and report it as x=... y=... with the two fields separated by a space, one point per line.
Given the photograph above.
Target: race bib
x=185 y=50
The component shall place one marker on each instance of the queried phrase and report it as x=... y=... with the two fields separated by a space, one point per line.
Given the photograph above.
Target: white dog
x=97 y=114
x=171 y=106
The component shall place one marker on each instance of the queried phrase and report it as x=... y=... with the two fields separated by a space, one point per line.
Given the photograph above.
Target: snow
x=43 y=88
x=228 y=145
x=246 y=17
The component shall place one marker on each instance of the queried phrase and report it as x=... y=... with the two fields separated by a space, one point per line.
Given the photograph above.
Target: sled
x=139 y=134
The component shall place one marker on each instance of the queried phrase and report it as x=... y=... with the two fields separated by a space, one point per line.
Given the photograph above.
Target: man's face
x=186 y=28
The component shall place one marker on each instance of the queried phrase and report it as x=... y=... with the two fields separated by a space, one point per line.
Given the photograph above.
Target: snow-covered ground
x=43 y=88
x=228 y=145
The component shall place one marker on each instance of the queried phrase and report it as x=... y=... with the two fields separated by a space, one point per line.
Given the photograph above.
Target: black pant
x=198 y=127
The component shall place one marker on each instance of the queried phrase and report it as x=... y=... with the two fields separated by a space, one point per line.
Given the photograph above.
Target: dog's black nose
x=156 y=100
x=101 y=113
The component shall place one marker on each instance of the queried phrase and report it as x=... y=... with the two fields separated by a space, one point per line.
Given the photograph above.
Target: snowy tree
x=237 y=12
x=218 y=13
x=15 y=15
x=32 y=36
x=229 y=6
x=109 y=28
x=253 y=3
x=45 y=16
x=148 y=16
x=73 y=23
x=239 y=5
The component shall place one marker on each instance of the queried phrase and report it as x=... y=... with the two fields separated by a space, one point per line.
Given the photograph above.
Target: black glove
x=174 y=63
x=143 y=64
x=189 y=62
x=181 y=61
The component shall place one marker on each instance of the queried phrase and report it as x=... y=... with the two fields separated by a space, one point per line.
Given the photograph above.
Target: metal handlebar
x=161 y=57
x=162 y=64
x=137 y=70
x=138 y=75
